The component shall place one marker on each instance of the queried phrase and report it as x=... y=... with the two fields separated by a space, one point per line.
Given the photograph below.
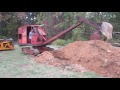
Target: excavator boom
x=62 y=33
x=93 y=24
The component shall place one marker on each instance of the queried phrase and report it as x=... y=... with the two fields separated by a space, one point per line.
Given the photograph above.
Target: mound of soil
x=48 y=58
x=94 y=55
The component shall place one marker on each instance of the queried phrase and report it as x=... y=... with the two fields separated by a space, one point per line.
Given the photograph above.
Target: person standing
x=31 y=34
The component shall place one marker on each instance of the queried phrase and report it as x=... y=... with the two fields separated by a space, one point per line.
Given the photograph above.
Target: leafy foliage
x=56 y=22
x=12 y=29
x=59 y=42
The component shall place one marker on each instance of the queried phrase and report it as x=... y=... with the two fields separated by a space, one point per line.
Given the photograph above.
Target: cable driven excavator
x=40 y=39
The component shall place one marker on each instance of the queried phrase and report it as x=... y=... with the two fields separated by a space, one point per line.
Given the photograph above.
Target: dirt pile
x=94 y=55
x=48 y=58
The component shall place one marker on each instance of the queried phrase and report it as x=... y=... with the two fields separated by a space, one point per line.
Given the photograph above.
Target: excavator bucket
x=106 y=29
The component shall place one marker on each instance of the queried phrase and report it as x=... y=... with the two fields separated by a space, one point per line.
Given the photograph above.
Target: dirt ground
x=14 y=64
x=94 y=55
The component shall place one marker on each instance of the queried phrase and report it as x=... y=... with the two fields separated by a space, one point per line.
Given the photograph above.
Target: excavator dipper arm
x=61 y=34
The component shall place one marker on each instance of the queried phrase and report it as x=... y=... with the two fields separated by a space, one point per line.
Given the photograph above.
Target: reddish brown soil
x=94 y=55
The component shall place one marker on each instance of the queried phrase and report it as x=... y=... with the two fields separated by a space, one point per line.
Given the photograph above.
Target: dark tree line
x=56 y=22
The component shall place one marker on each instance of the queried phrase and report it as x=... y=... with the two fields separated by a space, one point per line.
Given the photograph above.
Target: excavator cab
x=38 y=37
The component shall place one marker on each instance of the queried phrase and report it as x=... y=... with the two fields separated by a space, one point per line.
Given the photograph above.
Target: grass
x=60 y=42
x=14 y=64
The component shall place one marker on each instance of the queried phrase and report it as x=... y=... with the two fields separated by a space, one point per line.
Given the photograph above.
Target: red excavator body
x=37 y=39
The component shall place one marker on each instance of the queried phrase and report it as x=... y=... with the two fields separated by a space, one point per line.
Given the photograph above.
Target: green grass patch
x=59 y=42
x=14 y=64
x=62 y=42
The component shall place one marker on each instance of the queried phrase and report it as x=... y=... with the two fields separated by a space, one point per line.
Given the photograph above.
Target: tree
x=55 y=22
